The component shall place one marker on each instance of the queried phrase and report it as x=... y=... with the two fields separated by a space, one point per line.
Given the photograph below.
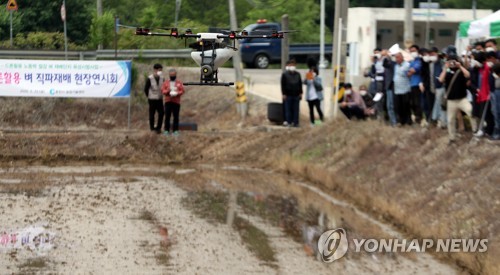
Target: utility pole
x=63 y=17
x=99 y=14
x=285 y=43
x=177 y=10
x=116 y=36
x=241 y=98
x=474 y=7
x=322 y=64
x=338 y=55
x=409 y=33
x=11 y=30
x=428 y=25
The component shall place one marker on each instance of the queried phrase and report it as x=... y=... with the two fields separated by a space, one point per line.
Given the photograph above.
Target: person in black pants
x=152 y=90
x=172 y=89
x=402 y=88
x=291 y=90
x=402 y=106
x=314 y=93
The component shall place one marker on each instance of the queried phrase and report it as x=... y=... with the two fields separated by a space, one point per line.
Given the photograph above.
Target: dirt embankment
x=409 y=177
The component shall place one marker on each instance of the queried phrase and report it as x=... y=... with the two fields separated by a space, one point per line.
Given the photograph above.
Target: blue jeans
x=292 y=104
x=437 y=112
x=495 y=108
x=390 y=106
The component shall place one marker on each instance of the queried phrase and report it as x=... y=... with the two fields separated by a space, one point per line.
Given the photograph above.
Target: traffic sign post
x=11 y=6
x=63 y=18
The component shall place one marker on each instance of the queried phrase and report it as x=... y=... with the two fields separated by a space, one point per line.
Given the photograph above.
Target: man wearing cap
x=152 y=89
x=291 y=90
x=455 y=77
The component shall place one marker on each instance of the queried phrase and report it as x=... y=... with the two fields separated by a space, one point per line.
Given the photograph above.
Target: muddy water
x=302 y=212
x=133 y=219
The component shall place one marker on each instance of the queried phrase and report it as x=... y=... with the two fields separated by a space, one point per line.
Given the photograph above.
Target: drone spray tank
x=210 y=58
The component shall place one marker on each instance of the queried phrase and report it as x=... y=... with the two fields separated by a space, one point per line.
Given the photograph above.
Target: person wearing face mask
x=484 y=85
x=372 y=71
x=172 y=89
x=314 y=93
x=426 y=91
x=491 y=46
x=367 y=97
x=433 y=89
x=389 y=64
x=402 y=90
x=291 y=90
x=152 y=89
x=495 y=69
x=353 y=104
x=380 y=64
x=455 y=77
x=479 y=46
x=415 y=80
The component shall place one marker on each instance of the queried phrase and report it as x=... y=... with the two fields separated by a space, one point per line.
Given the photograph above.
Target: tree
x=303 y=17
x=5 y=23
x=102 y=30
x=45 y=16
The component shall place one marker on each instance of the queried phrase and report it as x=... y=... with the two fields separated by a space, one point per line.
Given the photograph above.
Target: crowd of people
x=164 y=99
x=429 y=87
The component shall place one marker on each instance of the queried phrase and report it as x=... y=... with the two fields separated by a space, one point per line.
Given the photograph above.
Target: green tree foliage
x=303 y=16
x=5 y=23
x=45 y=16
x=102 y=30
x=40 y=40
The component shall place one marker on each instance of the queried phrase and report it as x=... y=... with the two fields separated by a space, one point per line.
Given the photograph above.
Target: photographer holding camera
x=454 y=77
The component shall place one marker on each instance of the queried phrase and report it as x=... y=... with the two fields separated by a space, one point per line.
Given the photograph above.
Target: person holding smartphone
x=454 y=77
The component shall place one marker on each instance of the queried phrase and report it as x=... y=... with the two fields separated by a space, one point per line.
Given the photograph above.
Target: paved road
x=266 y=83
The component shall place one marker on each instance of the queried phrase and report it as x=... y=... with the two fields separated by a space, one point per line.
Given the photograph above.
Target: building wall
x=441 y=34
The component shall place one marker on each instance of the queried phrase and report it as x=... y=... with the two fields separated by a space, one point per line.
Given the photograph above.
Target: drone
x=211 y=50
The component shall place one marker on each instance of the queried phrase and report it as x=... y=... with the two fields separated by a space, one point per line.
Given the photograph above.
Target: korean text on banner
x=44 y=78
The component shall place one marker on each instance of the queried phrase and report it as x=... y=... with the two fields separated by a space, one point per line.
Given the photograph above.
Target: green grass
x=208 y=205
x=255 y=240
x=35 y=264
x=213 y=206
x=311 y=154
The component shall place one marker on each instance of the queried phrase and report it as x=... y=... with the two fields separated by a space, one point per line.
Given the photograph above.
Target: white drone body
x=222 y=54
x=209 y=36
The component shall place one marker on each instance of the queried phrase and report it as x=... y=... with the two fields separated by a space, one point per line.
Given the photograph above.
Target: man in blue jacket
x=415 y=79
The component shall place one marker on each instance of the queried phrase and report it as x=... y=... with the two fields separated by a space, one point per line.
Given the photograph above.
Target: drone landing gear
x=209 y=78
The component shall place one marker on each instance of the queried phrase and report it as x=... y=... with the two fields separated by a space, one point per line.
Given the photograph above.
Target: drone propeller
x=176 y=28
x=174 y=32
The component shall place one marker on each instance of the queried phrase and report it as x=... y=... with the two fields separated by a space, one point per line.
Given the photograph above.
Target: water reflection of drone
x=211 y=50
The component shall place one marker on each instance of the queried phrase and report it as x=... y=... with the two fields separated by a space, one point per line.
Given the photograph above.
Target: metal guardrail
x=94 y=55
